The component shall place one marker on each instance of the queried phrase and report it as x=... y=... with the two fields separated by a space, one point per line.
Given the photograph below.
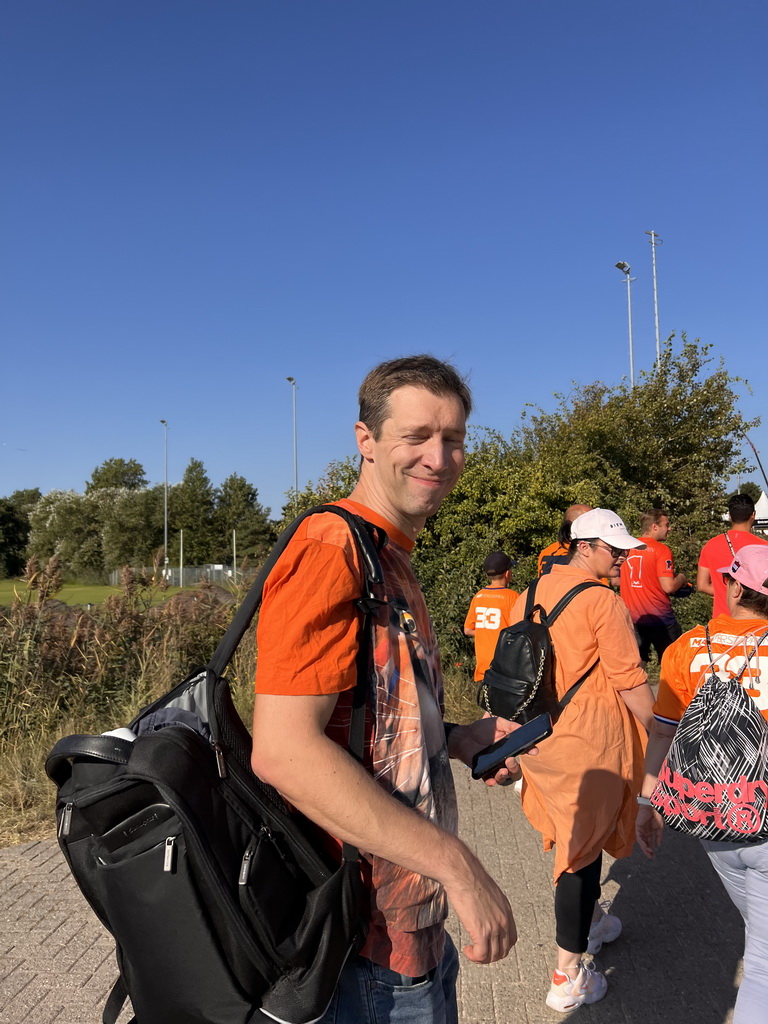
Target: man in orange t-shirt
x=723 y=547
x=489 y=610
x=398 y=807
x=647 y=579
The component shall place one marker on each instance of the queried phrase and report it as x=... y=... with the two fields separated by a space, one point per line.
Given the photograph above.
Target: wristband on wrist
x=644 y=801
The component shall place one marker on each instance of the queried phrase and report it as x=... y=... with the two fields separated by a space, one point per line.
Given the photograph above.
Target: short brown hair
x=651 y=518
x=422 y=371
x=754 y=601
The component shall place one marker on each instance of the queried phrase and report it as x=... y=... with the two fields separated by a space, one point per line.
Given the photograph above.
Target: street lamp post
x=292 y=382
x=165 y=504
x=625 y=269
x=655 y=240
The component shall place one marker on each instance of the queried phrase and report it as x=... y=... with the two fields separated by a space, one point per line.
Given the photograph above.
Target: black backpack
x=219 y=897
x=519 y=684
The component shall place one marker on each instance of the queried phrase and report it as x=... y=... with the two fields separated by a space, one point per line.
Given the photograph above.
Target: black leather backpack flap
x=521 y=669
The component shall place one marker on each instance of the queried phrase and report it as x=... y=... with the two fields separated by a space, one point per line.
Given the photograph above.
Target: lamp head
x=623 y=267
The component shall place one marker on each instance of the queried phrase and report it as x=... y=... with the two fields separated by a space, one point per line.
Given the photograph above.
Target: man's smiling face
x=417 y=458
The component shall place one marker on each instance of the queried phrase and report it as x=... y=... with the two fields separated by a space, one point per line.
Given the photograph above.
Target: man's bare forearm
x=292 y=753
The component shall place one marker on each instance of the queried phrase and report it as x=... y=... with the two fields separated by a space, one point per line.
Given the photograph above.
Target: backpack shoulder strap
x=530 y=599
x=368 y=601
x=363 y=535
x=737 y=678
x=567 y=598
x=561 y=604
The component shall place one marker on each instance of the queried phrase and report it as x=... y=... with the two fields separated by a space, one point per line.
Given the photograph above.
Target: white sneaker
x=565 y=995
x=607 y=929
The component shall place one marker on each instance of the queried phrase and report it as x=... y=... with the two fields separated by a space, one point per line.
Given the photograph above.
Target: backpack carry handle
x=110 y=749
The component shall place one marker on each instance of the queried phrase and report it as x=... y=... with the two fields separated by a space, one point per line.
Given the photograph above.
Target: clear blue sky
x=200 y=199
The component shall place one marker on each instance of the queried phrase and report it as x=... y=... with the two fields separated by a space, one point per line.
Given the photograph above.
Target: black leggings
x=575 y=896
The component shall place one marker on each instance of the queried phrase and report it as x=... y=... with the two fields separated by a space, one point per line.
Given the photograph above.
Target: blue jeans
x=369 y=994
x=743 y=870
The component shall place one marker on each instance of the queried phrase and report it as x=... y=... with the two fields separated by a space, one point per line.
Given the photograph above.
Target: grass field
x=74 y=593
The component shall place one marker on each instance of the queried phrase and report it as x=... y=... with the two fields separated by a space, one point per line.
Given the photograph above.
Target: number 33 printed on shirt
x=755 y=679
x=487 y=618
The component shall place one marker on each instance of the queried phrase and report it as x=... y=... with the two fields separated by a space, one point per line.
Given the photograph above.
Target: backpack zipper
x=169 y=858
x=66 y=819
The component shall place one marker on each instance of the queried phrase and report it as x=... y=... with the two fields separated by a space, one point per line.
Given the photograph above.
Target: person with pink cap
x=737 y=637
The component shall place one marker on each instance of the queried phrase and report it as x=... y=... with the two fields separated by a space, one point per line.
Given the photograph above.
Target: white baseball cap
x=602 y=524
x=750 y=567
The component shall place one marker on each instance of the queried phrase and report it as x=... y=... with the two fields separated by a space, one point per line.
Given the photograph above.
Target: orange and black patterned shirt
x=307 y=644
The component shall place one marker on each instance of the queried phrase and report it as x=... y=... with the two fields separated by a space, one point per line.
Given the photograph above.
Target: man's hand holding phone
x=469 y=740
x=487 y=763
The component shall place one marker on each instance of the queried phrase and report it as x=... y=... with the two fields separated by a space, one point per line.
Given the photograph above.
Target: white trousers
x=743 y=869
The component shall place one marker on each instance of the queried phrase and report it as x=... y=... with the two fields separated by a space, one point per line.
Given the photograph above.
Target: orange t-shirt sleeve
x=308 y=623
x=675 y=693
x=665 y=565
x=469 y=622
x=616 y=641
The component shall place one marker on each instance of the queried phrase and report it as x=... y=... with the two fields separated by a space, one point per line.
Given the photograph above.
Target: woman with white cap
x=580 y=791
x=736 y=640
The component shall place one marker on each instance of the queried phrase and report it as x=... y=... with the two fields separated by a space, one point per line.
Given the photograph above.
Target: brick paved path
x=675 y=964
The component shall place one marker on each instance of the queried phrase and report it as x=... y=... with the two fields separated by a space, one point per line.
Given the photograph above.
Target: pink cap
x=750 y=567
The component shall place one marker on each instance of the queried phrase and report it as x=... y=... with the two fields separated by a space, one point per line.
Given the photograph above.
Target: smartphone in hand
x=488 y=761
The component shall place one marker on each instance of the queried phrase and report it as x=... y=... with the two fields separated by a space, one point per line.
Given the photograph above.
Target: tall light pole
x=625 y=269
x=165 y=505
x=655 y=240
x=292 y=382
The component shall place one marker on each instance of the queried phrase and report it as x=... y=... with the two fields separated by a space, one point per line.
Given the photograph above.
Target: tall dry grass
x=69 y=670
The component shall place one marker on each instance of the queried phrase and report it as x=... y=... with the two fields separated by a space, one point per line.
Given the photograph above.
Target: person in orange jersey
x=648 y=578
x=736 y=637
x=489 y=610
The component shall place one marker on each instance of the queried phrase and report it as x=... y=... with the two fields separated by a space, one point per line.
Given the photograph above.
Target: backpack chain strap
x=521 y=709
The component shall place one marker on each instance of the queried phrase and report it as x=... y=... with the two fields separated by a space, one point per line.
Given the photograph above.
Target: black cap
x=496 y=563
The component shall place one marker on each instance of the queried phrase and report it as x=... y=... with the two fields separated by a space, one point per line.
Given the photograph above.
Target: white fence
x=186 y=577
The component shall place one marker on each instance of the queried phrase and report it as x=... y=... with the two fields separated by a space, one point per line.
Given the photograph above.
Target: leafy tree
x=14 y=530
x=13 y=537
x=338 y=480
x=191 y=507
x=131 y=526
x=673 y=441
x=748 y=487
x=25 y=500
x=238 y=508
x=68 y=525
x=117 y=473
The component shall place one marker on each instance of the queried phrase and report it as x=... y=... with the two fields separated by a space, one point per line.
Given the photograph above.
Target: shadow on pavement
x=678 y=959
